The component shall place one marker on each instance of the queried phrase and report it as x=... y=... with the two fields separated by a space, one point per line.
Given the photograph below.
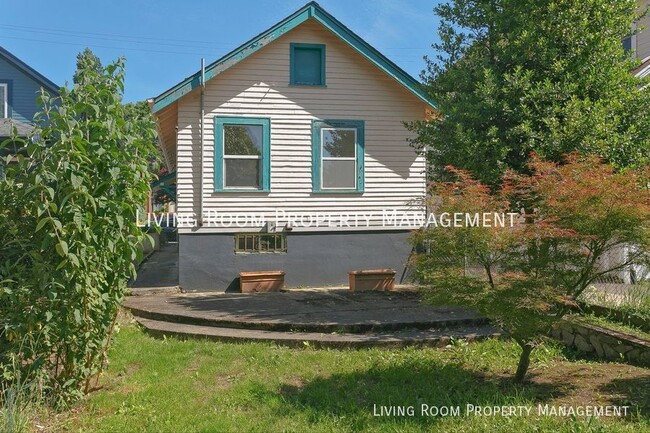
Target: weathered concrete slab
x=303 y=310
x=411 y=337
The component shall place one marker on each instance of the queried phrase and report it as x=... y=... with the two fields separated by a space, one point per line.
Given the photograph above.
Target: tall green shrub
x=68 y=231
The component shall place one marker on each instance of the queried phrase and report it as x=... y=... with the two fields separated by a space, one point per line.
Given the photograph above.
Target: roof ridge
x=309 y=10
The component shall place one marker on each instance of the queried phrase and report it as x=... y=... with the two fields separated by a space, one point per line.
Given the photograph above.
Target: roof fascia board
x=33 y=73
x=372 y=55
x=232 y=58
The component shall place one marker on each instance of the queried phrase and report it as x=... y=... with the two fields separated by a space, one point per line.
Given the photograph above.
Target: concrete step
x=149 y=291
x=324 y=313
x=395 y=339
x=327 y=327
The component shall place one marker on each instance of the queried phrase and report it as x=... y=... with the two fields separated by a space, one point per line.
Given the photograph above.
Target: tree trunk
x=524 y=361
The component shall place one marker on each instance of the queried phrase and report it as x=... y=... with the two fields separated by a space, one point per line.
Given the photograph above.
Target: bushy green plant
x=525 y=277
x=68 y=231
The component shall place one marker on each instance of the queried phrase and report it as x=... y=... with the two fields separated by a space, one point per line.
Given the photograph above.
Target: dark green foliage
x=547 y=76
x=68 y=232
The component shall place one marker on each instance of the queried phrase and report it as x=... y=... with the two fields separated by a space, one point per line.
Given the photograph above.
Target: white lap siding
x=258 y=86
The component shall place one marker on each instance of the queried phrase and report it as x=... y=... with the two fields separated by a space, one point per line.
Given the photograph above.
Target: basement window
x=260 y=243
x=307 y=63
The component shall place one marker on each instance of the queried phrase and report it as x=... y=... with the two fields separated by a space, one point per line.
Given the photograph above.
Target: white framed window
x=339 y=158
x=4 y=100
x=242 y=156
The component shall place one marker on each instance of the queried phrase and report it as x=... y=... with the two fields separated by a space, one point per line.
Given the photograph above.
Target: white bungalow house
x=290 y=154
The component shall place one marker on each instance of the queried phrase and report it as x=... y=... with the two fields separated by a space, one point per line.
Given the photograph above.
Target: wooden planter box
x=376 y=279
x=261 y=281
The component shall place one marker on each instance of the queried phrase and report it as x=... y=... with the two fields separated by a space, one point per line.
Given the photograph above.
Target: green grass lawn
x=169 y=385
x=606 y=322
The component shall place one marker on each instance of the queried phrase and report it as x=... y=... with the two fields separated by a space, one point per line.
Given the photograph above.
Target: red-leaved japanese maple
x=525 y=277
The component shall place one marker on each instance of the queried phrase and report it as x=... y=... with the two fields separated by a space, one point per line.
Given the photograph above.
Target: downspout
x=200 y=218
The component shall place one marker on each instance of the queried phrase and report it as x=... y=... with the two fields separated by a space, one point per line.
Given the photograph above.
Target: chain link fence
x=628 y=286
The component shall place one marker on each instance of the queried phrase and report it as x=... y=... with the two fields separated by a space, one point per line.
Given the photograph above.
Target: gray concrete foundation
x=317 y=259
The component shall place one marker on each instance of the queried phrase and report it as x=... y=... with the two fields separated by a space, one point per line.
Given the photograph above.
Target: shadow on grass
x=630 y=391
x=357 y=397
x=620 y=390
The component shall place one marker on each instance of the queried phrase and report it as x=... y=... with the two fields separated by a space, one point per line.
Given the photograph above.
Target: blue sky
x=164 y=40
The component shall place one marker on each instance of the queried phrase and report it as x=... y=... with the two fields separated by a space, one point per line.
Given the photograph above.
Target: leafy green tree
x=68 y=231
x=525 y=276
x=550 y=76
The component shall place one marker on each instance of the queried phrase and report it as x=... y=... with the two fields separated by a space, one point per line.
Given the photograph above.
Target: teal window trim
x=316 y=173
x=219 y=122
x=293 y=65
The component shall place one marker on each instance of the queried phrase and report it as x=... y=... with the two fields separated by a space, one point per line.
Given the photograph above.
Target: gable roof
x=310 y=10
x=28 y=70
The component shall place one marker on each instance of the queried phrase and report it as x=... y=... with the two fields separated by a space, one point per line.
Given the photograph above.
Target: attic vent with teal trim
x=307 y=64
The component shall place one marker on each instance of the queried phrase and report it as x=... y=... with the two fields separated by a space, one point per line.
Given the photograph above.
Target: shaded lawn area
x=170 y=385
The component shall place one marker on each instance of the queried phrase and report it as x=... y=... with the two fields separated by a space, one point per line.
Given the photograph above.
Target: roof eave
x=33 y=73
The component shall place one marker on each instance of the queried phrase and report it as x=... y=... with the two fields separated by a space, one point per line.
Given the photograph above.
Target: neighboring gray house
x=639 y=43
x=19 y=87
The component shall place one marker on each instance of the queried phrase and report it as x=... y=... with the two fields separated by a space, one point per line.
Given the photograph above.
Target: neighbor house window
x=627 y=44
x=4 y=101
x=338 y=156
x=307 y=63
x=242 y=154
x=260 y=243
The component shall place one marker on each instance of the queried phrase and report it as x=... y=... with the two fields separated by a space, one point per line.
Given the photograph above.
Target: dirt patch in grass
x=224 y=381
x=593 y=384
x=295 y=382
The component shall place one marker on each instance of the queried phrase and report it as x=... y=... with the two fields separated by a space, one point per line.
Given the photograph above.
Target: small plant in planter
x=526 y=277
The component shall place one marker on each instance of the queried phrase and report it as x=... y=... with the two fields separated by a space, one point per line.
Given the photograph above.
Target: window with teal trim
x=307 y=64
x=242 y=156
x=338 y=156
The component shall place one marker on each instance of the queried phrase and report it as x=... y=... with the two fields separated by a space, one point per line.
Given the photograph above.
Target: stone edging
x=604 y=343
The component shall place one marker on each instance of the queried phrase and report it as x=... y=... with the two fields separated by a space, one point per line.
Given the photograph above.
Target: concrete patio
x=325 y=317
